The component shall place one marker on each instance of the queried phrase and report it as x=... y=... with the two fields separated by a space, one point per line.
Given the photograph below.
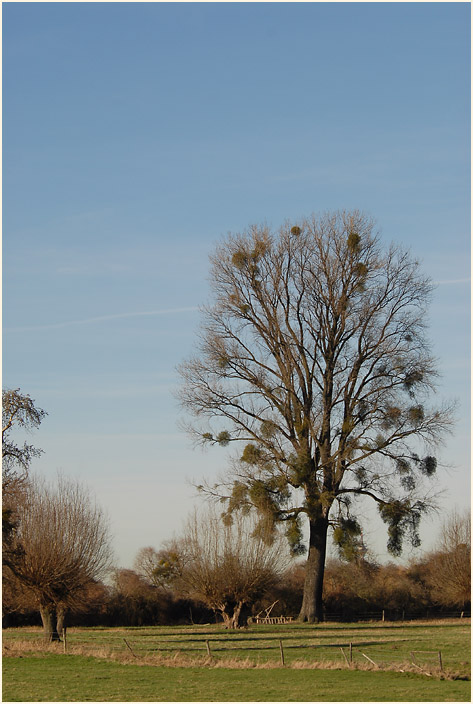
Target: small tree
x=62 y=544
x=227 y=567
x=448 y=569
x=18 y=413
x=155 y=566
x=129 y=583
x=313 y=356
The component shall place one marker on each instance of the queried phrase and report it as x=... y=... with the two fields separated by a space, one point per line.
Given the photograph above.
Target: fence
x=341 y=653
x=395 y=615
x=404 y=647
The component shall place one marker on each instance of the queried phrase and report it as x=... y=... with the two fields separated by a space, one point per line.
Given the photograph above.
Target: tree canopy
x=18 y=412
x=225 y=565
x=61 y=545
x=448 y=568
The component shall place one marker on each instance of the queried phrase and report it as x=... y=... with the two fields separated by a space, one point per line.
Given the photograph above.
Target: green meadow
x=414 y=661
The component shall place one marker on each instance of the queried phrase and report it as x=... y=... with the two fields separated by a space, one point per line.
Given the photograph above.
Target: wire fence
x=371 y=647
x=423 y=645
x=279 y=651
x=395 y=615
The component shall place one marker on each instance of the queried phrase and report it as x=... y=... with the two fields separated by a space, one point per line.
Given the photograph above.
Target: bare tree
x=313 y=354
x=448 y=569
x=226 y=566
x=129 y=583
x=63 y=544
x=161 y=568
x=18 y=411
x=148 y=563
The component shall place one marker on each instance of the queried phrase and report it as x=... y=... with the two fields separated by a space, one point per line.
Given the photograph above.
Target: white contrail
x=452 y=281
x=148 y=313
x=102 y=318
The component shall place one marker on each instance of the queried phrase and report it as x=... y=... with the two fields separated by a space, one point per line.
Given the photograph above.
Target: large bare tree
x=62 y=545
x=313 y=355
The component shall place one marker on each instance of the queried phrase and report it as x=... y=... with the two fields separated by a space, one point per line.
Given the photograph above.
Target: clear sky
x=135 y=135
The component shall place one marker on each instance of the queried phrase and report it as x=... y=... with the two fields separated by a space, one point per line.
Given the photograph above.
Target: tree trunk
x=312 y=605
x=234 y=615
x=52 y=619
x=61 y=612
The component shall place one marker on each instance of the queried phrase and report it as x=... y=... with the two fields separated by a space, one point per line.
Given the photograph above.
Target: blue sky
x=135 y=135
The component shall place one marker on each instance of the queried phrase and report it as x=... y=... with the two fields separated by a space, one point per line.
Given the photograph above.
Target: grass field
x=390 y=662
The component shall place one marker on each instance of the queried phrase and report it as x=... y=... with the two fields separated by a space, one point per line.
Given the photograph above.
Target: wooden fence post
x=372 y=661
x=351 y=652
x=129 y=647
x=382 y=616
x=208 y=648
x=440 y=661
x=282 y=652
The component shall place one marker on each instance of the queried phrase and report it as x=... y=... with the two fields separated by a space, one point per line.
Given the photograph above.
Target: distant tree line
x=436 y=584
x=128 y=601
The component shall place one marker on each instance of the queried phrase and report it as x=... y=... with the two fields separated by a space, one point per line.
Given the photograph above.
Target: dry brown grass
x=19 y=648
